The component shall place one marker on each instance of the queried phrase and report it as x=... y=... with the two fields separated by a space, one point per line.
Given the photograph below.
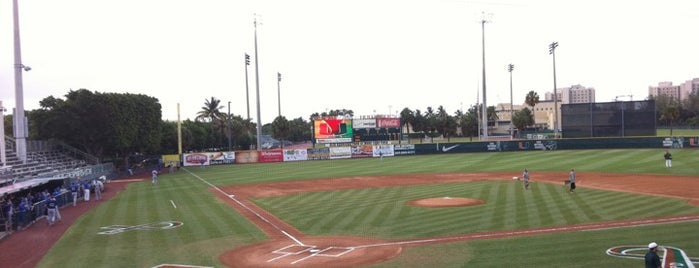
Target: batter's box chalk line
x=313 y=250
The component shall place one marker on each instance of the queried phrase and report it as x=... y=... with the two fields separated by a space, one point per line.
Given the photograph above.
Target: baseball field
x=370 y=213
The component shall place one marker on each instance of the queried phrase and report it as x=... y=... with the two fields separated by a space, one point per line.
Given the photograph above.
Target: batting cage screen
x=609 y=119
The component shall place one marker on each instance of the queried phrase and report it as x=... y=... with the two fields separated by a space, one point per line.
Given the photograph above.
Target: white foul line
x=232 y=197
x=173 y=204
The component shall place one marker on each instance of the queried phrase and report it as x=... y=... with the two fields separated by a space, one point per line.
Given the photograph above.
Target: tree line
x=116 y=125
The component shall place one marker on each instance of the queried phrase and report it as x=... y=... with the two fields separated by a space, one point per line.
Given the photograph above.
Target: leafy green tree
x=469 y=122
x=281 y=128
x=101 y=124
x=523 y=118
x=299 y=130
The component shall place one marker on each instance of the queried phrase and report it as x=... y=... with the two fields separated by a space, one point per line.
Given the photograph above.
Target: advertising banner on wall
x=361 y=151
x=318 y=153
x=383 y=150
x=270 y=156
x=388 y=122
x=196 y=159
x=220 y=158
x=208 y=158
x=404 y=149
x=364 y=123
x=340 y=152
x=244 y=157
x=295 y=155
x=327 y=130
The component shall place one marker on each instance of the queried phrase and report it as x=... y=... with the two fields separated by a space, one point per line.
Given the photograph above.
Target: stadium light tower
x=3 y=156
x=19 y=120
x=247 y=92
x=279 y=94
x=552 y=51
x=511 y=67
x=485 y=106
x=257 y=87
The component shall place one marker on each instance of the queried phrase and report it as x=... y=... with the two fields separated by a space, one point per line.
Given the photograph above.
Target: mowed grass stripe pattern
x=384 y=212
x=211 y=227
x=609 y=161
x=206 y=220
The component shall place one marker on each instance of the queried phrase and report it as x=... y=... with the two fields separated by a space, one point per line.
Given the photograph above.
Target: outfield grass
x=383 y=212
x=212 y=227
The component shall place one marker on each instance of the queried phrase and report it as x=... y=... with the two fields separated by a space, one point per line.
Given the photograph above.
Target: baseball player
x=74 y=191
x=155 y=176
x=52 y=210
x=571 y=180
x=525 y=175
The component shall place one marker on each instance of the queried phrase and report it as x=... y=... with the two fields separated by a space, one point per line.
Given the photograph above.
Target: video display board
x=331 y=130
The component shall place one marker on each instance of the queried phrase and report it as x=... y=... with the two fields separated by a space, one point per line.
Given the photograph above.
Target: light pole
x=228 y=125
x=247 y=92
x=485 y=109
x=257 y=87
x=20 y=133
x=552 y=51
x=3 y=156
x=511 y=67
x=279 y=94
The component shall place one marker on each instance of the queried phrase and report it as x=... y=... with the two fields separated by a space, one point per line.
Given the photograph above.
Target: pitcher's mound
x=441 y=202
x=314 y=252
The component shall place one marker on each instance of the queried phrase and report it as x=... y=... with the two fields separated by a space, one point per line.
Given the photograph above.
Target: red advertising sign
x=388 y=122
x=269 y=156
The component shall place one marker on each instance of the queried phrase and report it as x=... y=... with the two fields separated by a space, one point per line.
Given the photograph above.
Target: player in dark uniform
x=652 y=258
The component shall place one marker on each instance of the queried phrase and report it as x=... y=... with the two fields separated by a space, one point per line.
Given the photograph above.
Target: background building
x=573 y=94
x=678 y=92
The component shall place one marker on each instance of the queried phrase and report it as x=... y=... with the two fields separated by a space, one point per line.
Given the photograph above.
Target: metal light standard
x=485 y=109
x=552 y=51
x=257 y=87
x=511 y=67
x=228 y=125
x=247 y=92
x=19 y=120
x=279 y=94
x=3 y=156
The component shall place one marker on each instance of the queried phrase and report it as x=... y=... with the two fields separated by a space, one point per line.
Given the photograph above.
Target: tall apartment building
x=678 y=92
x=572 y=94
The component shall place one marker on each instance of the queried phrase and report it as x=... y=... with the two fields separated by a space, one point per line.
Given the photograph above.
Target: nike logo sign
x=446 y=149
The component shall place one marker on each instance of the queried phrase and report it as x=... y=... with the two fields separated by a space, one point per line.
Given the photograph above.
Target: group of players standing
x=570 y=181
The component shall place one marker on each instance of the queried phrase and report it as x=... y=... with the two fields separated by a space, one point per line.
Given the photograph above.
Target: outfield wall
x=388 y=150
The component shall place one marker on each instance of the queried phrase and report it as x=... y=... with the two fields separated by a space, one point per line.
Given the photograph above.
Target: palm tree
x=210 y=111
x=532 y=99
x=670 y=113
x=407 y=117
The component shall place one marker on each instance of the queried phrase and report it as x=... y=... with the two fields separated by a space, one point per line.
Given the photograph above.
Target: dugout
x=609 y=119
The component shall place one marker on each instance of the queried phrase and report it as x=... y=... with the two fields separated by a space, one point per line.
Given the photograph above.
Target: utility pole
x=552 y=51
x=279 y=94
x=257 y=87
x=485 y=106
x=247 y=92
x=511 y=67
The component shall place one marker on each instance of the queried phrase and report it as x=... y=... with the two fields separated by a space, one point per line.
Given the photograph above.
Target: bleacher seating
x=40 y=162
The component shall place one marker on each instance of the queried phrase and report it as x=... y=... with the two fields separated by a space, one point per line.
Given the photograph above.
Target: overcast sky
x=370 y=56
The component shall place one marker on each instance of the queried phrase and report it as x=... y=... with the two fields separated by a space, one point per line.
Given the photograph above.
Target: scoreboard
x=344 y=130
